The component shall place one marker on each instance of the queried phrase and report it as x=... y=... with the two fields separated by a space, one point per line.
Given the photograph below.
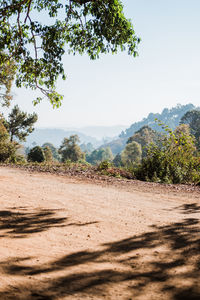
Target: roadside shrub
x=104 y=165
x=7 y=151
x=107 y=168
x=172 y=162
x=20 y=159
x=36 y=154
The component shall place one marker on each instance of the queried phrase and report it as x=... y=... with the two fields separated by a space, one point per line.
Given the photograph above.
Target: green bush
x=7 y=151
x=172 y=162
x=36 y=154
x=104 y=165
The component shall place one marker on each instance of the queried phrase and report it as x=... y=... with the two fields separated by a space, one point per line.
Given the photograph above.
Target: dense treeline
x=171 y=156
x=168 y=155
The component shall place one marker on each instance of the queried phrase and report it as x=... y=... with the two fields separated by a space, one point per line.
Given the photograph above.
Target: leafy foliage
x=99 y=155
x=36 y=154
x=3 y=132
x=78 y=26
x=54 y=150
x=170 y=117
x=172 y=162
x=7 y=149
x=48 y=154
x=104 y=165
x=145 y=136
x=7 y=73
x=192 y=118
x=20 y=124
x=117 y=161
x=132 y=154
x=87 y=148
x=70 y=149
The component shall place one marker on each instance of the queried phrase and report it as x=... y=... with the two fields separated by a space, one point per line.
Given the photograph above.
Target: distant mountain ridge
x=99 y=132
x=170 y=117
x=96 y=135
x=56 y=136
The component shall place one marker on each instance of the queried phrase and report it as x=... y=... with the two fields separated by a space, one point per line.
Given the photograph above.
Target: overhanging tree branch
x=37 y=44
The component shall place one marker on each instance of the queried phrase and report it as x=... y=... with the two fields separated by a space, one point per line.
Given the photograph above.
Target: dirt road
x=63 y=238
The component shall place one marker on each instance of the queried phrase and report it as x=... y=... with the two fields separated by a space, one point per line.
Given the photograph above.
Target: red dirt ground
x=70 y=238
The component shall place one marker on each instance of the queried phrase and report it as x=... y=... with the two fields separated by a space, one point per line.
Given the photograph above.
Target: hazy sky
x=120 y=89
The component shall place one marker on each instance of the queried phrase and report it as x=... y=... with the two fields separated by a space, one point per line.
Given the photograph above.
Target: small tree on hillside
x=48 y=154
x=54 y=150
x=117 y=161
x=20 y=124
x=192 y=118
x=36 y=154
x=70 y=149
x=99 y=155
x=132 y=154
x=145 y=136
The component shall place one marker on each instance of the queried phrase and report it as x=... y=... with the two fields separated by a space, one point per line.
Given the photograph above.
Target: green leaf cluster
x=36 y=154
x=132 y=154
x=70 y=150
x=7 y=149
x=99 y=155
x=7 y=74
x=35 y=34
x=20 y=124
x=174 y=161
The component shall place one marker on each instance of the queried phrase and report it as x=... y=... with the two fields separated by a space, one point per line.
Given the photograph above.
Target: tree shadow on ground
x=191 y=208
x=19 y=224
x=163 y=261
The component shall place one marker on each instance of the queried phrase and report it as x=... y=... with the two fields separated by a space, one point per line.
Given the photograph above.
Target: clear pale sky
x=120 y=89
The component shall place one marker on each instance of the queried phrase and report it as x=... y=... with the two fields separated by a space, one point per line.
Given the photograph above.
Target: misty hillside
x=170 y=117
x=56 y=136
x=96 y=135
x=102 y=132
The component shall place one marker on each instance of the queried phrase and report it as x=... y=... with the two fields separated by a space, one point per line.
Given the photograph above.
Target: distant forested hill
x=170 y=117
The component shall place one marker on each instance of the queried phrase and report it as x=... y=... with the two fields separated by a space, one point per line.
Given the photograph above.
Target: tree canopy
x=132 y=154
x=36 y=34
x=7 y=73
x=70 y=150
x=20 y=124
x=99 y=155
x=36 y=154
x=192 y=118
x=145 y=136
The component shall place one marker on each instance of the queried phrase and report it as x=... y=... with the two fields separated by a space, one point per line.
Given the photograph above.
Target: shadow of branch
x=170 y=258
